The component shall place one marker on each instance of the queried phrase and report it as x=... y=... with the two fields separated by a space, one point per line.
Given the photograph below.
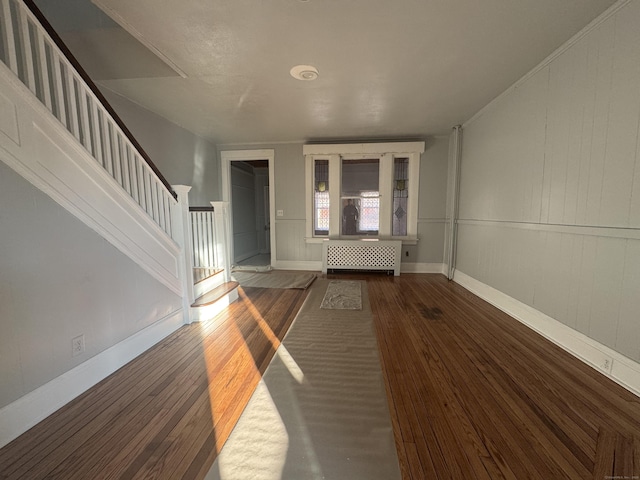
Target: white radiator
x=362 y=255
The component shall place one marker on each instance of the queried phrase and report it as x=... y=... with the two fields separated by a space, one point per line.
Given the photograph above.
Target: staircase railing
x=210 y=237
x=204 y=237
x=34 y=52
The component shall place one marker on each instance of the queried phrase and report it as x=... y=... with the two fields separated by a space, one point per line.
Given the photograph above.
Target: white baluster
x=106 y=142
x=97 y=131
x=70 y=88
x=212 y=239
x=167 y=209
x=142 y=201
x=59 y=88
x=147 y=190
x=84 y=116
x=193 y=249
x=117 y=160
x=44 y=71
x=27 y=53
x=200 y=239
x=156 y=206
x=161 y=206
x=133 y=160
x=124 y=161
x=10 y=41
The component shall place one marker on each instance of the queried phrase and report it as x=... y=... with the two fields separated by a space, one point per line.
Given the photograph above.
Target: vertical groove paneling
x=586 y=102
x=600 y=121
x=623 y=123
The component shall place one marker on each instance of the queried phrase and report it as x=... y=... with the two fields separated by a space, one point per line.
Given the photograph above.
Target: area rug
x=320 y=410
x=342 y=295
x=274 y=279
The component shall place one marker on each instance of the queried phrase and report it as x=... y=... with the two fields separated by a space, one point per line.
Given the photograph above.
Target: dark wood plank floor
x=475 y=394
x=472 y=394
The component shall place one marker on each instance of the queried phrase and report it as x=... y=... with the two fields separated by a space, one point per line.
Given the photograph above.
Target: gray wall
x=432 y=204
x=181 y=156
x=289 y=191
x=262 y=215
x=243 y=194
x=550 y=187
x=290 y=197
x=59 y=279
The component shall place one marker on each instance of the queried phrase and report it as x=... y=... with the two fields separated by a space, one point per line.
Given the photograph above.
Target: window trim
x=386 y=152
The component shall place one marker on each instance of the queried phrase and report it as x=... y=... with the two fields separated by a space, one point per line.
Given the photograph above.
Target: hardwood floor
x=167 y=413
x=475 y=394
x=472 y=394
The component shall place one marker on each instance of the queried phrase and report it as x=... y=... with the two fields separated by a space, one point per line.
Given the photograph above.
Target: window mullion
x=414 y=185
x=386 y=194
x=335 y=209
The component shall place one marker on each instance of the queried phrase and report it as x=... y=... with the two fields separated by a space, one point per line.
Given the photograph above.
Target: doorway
x=247 y=177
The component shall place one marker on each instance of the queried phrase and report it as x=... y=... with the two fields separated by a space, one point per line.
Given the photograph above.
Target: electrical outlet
x=77 y=345
x=280 y=213
x=606 y=365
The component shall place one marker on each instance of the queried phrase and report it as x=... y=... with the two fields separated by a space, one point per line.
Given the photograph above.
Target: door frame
x=228 y=156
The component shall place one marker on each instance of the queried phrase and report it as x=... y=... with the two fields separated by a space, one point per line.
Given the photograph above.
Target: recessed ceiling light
x=304 y=72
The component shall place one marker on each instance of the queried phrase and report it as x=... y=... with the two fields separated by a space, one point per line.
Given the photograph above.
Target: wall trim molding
x=612 y=10
x=422 y=268
x=605 y=360
x=226 y=159
x=588 y=230
x=19 y=416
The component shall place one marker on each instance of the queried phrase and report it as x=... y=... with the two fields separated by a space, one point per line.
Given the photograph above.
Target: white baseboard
x=19 y=416
x=614 y=365
x=404 y=267
x=298 y=265
x=422 y=268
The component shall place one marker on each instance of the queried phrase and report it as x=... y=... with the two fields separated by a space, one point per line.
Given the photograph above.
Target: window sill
x=405 y=240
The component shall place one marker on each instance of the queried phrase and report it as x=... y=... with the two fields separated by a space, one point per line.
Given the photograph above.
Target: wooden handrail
x=96 y=91
x=201 y=209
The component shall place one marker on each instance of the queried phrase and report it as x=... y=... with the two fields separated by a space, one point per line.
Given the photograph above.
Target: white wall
x=550 y=186
x=59 y=279
x=181 y=156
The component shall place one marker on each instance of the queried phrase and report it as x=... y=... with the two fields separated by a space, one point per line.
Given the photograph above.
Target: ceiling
x=398 y=69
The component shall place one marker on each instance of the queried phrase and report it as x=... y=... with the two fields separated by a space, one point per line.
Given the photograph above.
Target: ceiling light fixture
x=304 y=72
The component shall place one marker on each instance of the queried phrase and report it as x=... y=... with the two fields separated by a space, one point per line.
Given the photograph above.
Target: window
x=400 y=196
x=374 y=190
x=360 y=196
x=321 y=198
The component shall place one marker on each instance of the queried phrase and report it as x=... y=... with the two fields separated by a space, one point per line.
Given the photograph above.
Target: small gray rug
x=343 y=295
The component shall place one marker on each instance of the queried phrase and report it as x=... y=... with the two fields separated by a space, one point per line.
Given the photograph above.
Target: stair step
x=214 y=295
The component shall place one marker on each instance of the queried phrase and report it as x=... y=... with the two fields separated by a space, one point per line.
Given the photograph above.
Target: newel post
x=182 y=223
x=223 y=245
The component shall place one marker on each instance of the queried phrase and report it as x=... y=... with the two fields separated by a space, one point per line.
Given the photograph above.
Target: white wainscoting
x=619 y=368
x=423 y=268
